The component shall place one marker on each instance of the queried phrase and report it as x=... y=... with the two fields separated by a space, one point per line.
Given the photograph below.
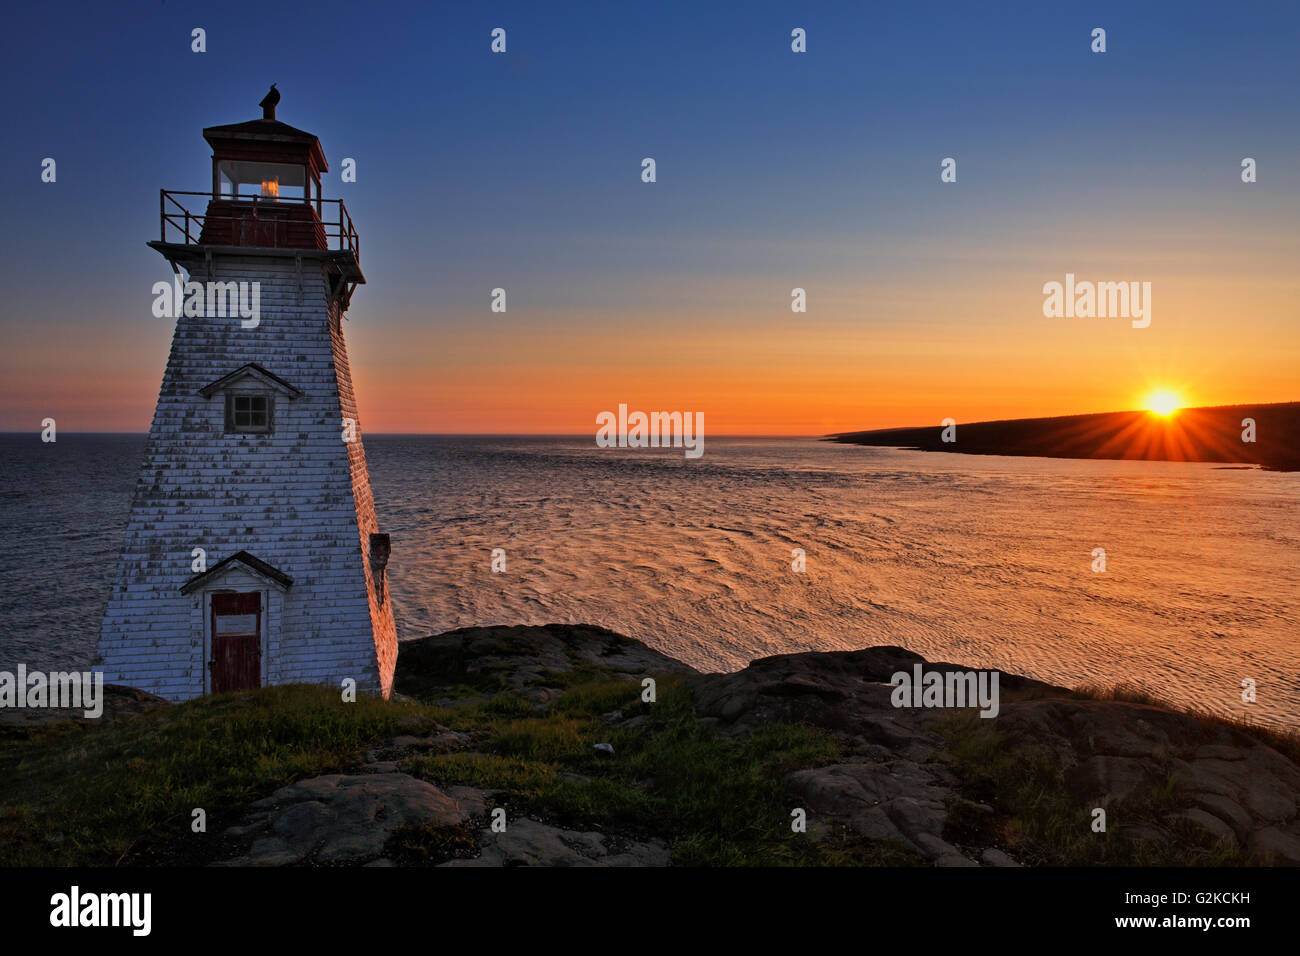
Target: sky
x=775 y=170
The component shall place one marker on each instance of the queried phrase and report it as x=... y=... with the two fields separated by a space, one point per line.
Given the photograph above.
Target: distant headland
x=1220 y=434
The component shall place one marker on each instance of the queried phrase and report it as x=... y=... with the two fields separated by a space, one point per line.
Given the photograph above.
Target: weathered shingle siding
x=381 y=612
x=298 y=499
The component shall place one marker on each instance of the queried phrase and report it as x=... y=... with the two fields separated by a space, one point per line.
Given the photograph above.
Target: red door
x=236 y=641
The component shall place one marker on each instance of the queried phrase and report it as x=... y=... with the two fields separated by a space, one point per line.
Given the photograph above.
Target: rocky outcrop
x=118 y=701
x=368 y=819
x=527 y=842
x=897 y=785
x=522 y=660
x=1241 y=790
x=844 y=691
x=895 y=801
x=340 y=819
x=893 y=788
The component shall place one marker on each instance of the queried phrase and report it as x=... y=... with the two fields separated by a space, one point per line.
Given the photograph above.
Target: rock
x=874 y=824
x=904 y=803
x=1143 y=833
x=1262 y=782
x=1225 y=810
x=1276 y=846
x=527 y=842
x=518 y=659
x=1210 y=822
x=942 y=853
x=472 y=800
x=845 y=692
x=341 y=818
x=449 y=741
x=995 y=857
x=419 y=725
x=267 y=851
x=896 y=787
x=1238 y=788
x=117 y=701
x=1211 y=776
x=1084 y=727
x=919 y=815
x=1219 y=752
x=387 y=756
x=1111 y=778
x=893 y=783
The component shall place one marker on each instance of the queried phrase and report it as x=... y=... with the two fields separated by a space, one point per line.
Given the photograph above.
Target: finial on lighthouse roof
x=268 y=103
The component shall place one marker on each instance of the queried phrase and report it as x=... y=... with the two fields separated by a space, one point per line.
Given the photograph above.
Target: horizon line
x=830 y=434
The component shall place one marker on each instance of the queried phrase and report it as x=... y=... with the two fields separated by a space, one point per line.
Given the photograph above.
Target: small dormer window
x=248 y=412
x=250 y=395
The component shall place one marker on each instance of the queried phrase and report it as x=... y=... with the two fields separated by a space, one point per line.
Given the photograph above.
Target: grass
x=126 y=790
x=123 y=792
x=717 y=801
x=89 y=794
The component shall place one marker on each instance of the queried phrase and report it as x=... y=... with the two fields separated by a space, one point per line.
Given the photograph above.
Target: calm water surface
x=977 y=560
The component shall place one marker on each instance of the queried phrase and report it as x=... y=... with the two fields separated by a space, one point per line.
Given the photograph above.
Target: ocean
x=981 y=561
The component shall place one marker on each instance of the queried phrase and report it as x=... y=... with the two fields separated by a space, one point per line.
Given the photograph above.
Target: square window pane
x=249 y=413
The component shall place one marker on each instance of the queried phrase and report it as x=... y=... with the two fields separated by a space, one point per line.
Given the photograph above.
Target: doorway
x=236 y=661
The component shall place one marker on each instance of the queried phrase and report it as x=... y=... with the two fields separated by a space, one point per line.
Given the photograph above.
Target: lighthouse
x=252 y=555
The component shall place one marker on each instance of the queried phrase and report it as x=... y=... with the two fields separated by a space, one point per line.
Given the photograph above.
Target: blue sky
x=522 y=170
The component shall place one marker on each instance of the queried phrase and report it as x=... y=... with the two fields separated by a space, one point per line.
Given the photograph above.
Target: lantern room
x=266 y=188
x=265 y=198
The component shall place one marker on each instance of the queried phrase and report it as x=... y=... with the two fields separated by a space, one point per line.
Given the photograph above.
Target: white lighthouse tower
x=252 y=555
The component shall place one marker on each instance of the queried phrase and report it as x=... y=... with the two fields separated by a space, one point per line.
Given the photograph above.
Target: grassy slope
x=86 y=793
x=124 y=792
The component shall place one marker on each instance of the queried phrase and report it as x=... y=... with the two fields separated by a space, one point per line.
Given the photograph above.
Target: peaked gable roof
x=261 y=129
x=256 y=565
x=267 y=132
x=251 y=370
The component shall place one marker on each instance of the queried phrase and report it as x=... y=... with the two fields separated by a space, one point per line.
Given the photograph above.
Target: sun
x=1163 y=403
